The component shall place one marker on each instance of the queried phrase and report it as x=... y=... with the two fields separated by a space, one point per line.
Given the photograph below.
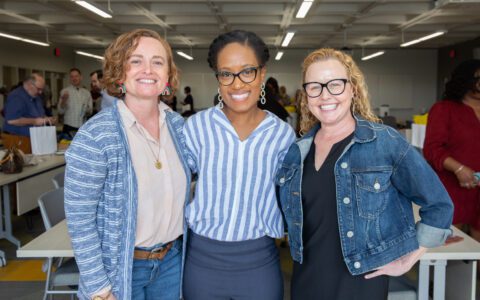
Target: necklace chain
x=157 y=162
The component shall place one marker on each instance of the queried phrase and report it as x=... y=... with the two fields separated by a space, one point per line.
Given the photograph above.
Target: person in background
x=284 y=97
x=347 y=189
x=24 y=109
x=75 y=103
x=127 y=180
x=235 y=149
x=272 y=100
x=96 y=89
x=169 y=99
x=452 y=144
x=187 y=104
x=106 y=100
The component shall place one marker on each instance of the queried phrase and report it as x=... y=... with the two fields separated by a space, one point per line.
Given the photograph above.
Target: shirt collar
x=130 y=120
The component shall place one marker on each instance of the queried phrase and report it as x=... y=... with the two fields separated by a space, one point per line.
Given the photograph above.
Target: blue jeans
x=158 y=279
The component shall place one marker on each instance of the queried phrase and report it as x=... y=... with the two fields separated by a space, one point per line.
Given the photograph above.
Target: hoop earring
x=220 y=99
x=262 y=95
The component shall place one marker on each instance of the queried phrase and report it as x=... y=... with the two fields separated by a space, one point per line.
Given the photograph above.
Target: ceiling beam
x=222 y=22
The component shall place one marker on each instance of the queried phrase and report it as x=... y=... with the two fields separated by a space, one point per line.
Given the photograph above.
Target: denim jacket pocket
x=371 y=192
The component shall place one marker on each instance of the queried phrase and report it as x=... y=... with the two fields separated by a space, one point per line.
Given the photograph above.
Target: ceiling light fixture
x=184 y=55
x=427 y=37
x=89 y=54
x=93 y=9
x=288 y=38
x=303 y=10
x=14 y=37
x=279 y=55
x=378 y=53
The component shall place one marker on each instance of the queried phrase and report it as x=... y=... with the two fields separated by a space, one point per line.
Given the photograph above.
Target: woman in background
x=452 y=144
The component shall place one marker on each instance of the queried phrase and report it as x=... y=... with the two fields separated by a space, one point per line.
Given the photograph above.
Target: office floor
x=23 y=279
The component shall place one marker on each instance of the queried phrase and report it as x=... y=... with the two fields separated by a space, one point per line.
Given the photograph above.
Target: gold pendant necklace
x=158 y=164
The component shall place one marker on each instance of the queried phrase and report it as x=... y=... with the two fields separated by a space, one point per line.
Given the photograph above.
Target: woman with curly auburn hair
x=452 y=143
x=347 y=188
x=127 y=180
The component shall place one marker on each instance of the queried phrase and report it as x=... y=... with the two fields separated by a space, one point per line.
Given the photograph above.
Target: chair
x=66 y=272
x=58 y=180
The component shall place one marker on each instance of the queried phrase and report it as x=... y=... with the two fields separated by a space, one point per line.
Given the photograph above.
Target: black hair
x=462 y=80
x=242 y=37
x=75 y=70
x=272 y=84
x=99 y=73
x=187 y=89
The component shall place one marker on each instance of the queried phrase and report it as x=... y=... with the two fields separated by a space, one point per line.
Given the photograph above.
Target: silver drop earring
x=220 y=99
x=262 y=95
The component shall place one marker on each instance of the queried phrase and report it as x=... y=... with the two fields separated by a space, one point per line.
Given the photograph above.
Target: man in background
x=96 y=82
x=75 y=103
x=24 y=109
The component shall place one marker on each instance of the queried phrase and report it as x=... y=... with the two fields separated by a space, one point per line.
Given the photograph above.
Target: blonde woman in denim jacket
x=347 y=188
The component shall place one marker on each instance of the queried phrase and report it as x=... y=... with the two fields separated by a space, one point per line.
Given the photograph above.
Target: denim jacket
x=377 y=176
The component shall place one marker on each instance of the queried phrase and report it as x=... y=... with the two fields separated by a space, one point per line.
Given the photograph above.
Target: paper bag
x=43 y=140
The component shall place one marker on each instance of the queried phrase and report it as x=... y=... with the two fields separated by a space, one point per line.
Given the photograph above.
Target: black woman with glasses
x=235 y=148
x=347 y=188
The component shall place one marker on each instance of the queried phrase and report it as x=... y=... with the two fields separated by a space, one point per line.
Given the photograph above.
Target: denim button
x=350 y=234
x=346 y=200
x=344 y=165
x=282 y=180
x=357 y=265
x=376 y=186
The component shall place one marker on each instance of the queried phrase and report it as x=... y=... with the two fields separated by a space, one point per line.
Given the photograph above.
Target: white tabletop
x=52 y=243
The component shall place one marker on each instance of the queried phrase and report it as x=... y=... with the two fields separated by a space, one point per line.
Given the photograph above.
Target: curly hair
x=462 y=80
x=242 y=37
x=115 y=63
x=360 y=102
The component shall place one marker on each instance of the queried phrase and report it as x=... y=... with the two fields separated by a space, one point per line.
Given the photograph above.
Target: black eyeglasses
x=246 y=75
x=334 y=87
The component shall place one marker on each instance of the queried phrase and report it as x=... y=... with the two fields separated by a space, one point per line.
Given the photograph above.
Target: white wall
x=404 y=79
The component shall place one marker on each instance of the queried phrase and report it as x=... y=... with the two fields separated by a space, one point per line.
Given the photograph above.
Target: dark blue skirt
x=232 y=270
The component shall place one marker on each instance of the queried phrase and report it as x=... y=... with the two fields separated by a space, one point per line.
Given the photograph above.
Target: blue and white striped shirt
x=235 y=196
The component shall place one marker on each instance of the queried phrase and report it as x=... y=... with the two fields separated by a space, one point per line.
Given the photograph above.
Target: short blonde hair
x=116 y=57
x=360 y=102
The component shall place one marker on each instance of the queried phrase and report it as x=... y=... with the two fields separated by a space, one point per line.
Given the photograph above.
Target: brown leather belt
x=154 y=254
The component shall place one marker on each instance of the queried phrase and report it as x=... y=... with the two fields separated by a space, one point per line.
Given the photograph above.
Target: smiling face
x=147 y=70
x=75 y=78
x=240 y=97
x=329 y=109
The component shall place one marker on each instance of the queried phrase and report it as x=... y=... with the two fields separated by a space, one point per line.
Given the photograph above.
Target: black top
x=323 y=274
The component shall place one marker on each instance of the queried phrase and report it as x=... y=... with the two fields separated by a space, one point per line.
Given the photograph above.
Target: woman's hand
x=466 y=179
x=399 y=266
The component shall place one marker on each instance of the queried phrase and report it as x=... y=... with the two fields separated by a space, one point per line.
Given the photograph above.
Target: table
x=52 y=243
x=30 y=183
x=458 y=280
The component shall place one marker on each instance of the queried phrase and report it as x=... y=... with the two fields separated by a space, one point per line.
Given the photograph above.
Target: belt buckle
x=158 y=249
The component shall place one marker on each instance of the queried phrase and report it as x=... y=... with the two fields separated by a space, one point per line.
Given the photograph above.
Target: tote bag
x=43 y=140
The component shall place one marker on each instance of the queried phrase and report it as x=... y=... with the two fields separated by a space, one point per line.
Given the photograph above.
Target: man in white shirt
x=75 y=103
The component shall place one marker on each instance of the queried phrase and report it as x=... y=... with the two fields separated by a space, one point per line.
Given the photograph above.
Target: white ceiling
x=194 y=23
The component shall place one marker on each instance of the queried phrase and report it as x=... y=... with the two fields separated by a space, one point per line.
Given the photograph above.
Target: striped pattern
x=101 y=202
x=235 y=194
